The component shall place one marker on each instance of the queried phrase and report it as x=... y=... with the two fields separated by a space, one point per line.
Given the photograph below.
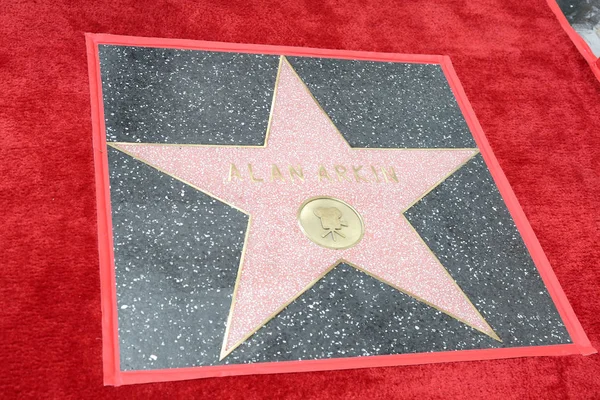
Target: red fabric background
x=533 y=93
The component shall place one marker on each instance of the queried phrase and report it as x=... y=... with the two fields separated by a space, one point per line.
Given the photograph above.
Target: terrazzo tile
x=177 y=250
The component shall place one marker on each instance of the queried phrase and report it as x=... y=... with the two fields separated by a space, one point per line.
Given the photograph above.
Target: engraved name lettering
x=295 y=174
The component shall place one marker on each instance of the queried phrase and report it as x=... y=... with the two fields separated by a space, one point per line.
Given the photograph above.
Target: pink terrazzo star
x=279 y=261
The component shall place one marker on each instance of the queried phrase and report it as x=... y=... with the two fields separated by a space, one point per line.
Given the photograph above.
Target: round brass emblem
x=330 y=222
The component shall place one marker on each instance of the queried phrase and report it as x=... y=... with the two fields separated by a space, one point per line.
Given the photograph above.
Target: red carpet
x=534 y=94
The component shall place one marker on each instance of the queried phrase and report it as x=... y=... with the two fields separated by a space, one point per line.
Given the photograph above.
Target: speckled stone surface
x=382 y=104
x=186 y=96
x=177 y=250
x=465 y=222
x=177 y=253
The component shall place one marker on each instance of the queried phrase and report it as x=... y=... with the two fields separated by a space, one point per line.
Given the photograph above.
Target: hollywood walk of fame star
x=278 y=261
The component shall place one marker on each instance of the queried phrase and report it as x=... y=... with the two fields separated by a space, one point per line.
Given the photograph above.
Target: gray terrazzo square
x=177 y=250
